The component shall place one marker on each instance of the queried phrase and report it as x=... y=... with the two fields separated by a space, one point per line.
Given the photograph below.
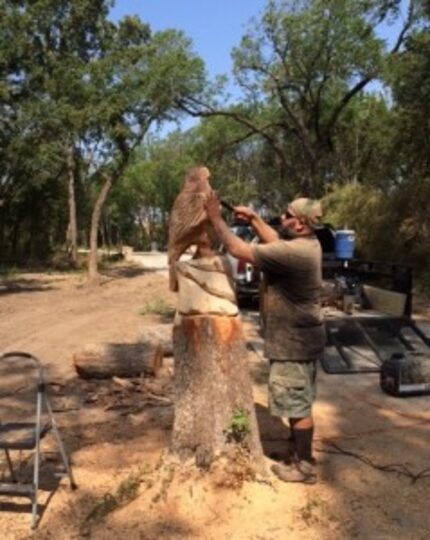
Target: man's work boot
x=302 y=471
x=288 y=456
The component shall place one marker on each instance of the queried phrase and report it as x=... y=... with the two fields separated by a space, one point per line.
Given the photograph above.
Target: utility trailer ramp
x=360 y=343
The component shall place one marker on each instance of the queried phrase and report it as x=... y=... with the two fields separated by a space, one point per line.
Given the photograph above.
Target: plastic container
x=345 y=244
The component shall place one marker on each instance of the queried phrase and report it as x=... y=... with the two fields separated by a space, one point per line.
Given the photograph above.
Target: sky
x=214 y=26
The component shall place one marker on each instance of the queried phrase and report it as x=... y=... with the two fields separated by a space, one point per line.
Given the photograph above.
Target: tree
x=232 y=156
x=46 y=49
x=88 y=88
x=300 y=68
x=389 y=207
x=150 y=184
x=410 y=78
x=134 y=84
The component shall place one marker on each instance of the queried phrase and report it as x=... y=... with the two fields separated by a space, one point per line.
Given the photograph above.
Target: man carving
x=294 y=330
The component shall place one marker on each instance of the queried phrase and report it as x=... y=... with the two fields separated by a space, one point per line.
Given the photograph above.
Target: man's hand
x=243 y=212
x=212 y=207
x=232 y=243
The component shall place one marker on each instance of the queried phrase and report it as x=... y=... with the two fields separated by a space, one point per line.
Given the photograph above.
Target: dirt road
x=369 y=447
x=54 y=316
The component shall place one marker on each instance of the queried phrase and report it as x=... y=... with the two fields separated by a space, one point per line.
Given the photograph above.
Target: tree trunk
x=214 y=406
x=72 y=229
x=93 y=275
x=102 y=232
x=15 y=238
x=108 y=226
x=2 y=232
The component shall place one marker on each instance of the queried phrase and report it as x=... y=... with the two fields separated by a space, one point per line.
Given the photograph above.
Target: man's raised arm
x=232 y=243
x=261 y=228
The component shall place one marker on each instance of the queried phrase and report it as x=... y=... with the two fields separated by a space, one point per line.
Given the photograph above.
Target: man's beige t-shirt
x=294 y=324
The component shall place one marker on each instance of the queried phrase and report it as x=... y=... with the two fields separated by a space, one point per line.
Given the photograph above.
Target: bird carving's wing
x=187 y=215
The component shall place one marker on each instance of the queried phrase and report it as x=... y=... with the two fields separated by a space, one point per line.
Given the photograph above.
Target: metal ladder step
x=17 y=490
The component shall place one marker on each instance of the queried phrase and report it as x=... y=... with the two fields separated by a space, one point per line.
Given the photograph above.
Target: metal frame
x=362 y=324
x=16 y=488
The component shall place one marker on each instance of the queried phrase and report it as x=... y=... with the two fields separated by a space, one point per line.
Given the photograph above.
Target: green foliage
x=390 y=226
x=71 y=78
x=234 y=165
x=307 y=122
x=157 y=306
x=239 y=427
x=304 y=63
x=358 y=207
x=410 y=79
x=141 y=202
x=9 y=272
x=409 y=190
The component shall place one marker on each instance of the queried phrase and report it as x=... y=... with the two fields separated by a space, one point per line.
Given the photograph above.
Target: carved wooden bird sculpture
x=188 y=217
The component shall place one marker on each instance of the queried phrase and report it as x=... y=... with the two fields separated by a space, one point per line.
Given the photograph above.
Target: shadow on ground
x=23 y=285
x=125 y=271
x=274 y=434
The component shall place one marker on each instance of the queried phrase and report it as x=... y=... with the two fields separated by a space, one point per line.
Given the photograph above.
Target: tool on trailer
x=406 y=374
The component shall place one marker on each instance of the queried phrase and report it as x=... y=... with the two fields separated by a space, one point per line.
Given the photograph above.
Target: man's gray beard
x=286 y=233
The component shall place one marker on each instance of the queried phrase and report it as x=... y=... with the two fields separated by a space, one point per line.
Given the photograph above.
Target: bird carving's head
x=197 y=179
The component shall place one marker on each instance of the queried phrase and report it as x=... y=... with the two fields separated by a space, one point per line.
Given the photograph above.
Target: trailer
x=380 y=326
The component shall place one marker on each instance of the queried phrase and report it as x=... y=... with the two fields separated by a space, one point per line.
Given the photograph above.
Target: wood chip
x=123 y=383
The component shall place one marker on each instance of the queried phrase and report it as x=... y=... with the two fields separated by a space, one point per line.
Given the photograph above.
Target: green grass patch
x=239 y=427
x=9 y=272
x=157 y=306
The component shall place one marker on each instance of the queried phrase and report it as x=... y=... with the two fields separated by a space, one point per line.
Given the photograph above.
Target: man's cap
x=308 y=210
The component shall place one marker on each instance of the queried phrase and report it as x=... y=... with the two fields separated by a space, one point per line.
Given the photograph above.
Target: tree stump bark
x=214 y=405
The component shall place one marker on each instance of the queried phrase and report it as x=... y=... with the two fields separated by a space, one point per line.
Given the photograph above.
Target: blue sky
x=214 y=26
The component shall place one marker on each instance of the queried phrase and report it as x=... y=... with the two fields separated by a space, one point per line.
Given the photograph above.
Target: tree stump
x=214 y=406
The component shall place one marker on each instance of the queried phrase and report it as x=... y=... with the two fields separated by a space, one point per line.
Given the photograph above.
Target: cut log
x=214 y=406
x=118 y=360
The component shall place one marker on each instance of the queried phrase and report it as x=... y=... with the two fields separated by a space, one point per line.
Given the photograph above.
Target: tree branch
x=408 y=23
x=370 y=76
x=209 y=112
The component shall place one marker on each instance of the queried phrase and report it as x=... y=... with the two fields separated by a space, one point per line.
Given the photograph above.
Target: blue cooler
x=345 y=244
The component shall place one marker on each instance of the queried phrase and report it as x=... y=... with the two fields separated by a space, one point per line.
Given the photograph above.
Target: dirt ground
x=372 y=450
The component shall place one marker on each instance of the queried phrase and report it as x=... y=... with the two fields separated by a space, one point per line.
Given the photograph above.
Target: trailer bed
x=361 y=342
